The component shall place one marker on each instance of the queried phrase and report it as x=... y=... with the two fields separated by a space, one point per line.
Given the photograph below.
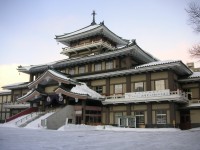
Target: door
x=185 y=122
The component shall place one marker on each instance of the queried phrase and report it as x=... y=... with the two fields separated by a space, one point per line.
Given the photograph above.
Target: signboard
x=148 y=94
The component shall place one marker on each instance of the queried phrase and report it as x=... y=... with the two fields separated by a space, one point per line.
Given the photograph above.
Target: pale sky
x=28 y=29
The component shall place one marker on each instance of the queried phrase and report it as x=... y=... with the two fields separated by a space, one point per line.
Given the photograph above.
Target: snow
x=59 y=75
x=84 y=89
x=22 y=139
x=82 y=137
x=36 y=124
x=157 y=63
x=195 y=75
x=88 y=28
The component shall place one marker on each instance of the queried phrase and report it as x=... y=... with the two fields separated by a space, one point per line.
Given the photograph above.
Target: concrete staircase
x=32 y=119
x=59 y=118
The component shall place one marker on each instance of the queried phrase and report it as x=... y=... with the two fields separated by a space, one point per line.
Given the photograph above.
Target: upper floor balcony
x=148 y=96
x=87 y=45
x=194 y=103
x=15 y=105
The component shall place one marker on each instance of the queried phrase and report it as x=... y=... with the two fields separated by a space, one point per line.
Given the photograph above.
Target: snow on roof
x=57 y=74
x=195 y=75
x=5 y=92
x=84 y=89
x=157 y=63
x=79 y=31
x=15 y=85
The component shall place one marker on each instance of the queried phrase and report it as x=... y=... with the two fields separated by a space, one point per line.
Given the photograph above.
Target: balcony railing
x=16 y=105
x=148 y=96
x=88 y=44
x=194 y=103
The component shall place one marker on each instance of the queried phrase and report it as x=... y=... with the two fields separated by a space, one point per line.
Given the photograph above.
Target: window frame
x=161 y=117
x=98 y=67
x=81 y=69
x=117 y=91
x=109 y=65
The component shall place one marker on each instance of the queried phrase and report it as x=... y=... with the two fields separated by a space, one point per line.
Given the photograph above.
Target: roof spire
x=93 y=21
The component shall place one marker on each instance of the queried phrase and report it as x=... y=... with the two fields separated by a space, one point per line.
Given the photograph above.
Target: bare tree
x=193 y=11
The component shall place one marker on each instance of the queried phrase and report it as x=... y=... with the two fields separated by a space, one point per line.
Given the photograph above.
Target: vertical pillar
x=148 y=81
x=31 y=78
x=89 y=68
x=107 y=114
x=128 y=83
x=128 y=109
x=83 y=111
x=108 y=87
x=128 y=62
x=171 y=81
x=172 y=113
x=149 y=114
x=118 y=63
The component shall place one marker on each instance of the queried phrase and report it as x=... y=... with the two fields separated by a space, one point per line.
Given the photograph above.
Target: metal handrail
x=28 y=117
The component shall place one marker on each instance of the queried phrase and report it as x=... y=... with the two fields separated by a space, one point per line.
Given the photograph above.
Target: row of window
x=137 y=87
x=161 y=117
x=97 y=67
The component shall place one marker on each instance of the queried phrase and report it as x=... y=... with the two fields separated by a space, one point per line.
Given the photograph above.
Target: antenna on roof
x=93 y=21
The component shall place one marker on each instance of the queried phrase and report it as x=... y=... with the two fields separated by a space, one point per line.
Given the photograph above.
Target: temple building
x=107 y=80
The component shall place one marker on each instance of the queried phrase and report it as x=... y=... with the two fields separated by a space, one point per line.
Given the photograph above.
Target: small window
x=71 y=71
x=109 y=65
x=97 y=67
x=118 y=89
x=161 y=117
x=81 y=69
x=99 y=89
x=139 y=117
x=140 y=86
x=159 y=85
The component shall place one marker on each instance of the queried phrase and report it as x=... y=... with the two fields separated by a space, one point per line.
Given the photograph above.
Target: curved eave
x=71 y=94
x=190 y=80
x=12 y=87
x=29 y=96
x=49 y=74
x=177 y=67
x=133 y=50
x=101 y=29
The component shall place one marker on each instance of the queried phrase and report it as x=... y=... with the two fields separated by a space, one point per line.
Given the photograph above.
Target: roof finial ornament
x=93 y=21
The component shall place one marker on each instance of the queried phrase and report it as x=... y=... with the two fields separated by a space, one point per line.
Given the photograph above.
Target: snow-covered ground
x=82 y=137
x=23 y=139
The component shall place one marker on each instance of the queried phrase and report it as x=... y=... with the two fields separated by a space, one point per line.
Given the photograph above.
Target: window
x=97 y=67
x=118 y=89
x=109 y=65
x=159 y=85
x=71 y=71
x=81 y=69
x=117 y=115
x=140 y=86
x=139 y=117
x=99 y=89
x=161 y=117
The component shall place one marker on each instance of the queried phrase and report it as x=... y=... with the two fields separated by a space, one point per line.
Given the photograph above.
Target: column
x=108 y=87
x=83 y=111
x=171 y=81
x=149 y=115
x=128 y=84
x=148 y=81
x=107 y=115
x=128 y=62
x=172 y=113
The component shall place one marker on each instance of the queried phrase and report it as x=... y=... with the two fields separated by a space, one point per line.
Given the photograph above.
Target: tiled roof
x=157 y=63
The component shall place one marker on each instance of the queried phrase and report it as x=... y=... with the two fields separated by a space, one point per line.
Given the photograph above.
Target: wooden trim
x=171 y=80
x=128 y=83
x=107 y=86
x=148 y=82
x=149 y=113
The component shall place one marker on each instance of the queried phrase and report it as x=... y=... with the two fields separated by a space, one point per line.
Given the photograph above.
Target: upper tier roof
x=133 y=50
x=91 y=30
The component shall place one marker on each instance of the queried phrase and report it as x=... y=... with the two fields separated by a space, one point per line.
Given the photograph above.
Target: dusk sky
x=28 y=29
